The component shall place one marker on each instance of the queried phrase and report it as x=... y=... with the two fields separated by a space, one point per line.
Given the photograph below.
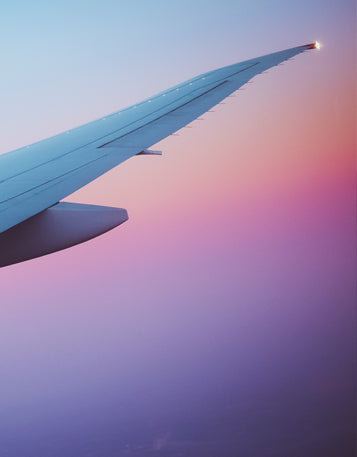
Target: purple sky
x=220 y=320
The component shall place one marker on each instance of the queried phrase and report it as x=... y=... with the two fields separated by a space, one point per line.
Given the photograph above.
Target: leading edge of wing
x=38 y=176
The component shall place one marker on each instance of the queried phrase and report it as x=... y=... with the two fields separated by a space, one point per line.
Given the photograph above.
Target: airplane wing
x=38 y=176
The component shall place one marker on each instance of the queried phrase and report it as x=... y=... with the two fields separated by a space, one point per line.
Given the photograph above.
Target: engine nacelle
x=59 y=227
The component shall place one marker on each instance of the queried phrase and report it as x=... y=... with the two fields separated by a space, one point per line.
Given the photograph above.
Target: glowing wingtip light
x=317 y=45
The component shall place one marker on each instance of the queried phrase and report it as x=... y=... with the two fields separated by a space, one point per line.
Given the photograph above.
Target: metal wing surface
x=38 y=176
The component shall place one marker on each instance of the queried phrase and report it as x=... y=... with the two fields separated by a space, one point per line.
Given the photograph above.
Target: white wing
x=40 y=175
x=34 y=179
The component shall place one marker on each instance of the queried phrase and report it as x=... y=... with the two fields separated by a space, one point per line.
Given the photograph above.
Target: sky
x=220 y=319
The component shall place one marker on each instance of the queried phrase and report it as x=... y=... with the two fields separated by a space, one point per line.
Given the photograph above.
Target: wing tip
x=315 y=45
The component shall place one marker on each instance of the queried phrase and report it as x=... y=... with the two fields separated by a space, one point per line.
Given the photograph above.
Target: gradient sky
x=220 y=319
